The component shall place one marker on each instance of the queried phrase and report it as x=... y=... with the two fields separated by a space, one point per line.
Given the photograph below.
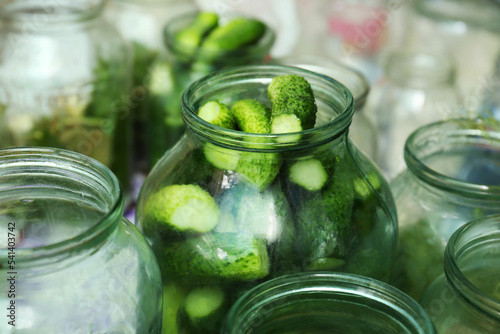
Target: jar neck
x=420 y=70
x=463 y=139
x=34 y=15
x=205 y=60
x=44 y=188
x=475 y=249
x=338 y=293
x=334 y=102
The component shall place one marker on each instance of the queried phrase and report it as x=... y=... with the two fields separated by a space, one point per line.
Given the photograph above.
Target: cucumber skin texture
x=259 y=169
x=217 y=257
x=224 y=119
x=292 y=94
x=193 y=34
x=251 y=116
x=235 y=34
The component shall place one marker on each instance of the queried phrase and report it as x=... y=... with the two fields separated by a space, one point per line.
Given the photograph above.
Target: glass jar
x=259 y=224
x=175 y=69
x=416 y=89
x=466 y=299
x=452 y=178
x=362 y=130
x=74 y=264
x=64 y=73
x=326 y=303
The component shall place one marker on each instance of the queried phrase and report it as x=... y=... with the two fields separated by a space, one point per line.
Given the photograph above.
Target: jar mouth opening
x=479 y=238
x=334 y=101
x=40 y=13
x=331 y=288
x=449 y=137
x=240 y=56
x=58 y=174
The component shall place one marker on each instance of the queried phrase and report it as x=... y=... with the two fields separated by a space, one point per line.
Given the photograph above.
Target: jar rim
x=434 y=134
x=335 y=284
x=468 y=236
x=36 y=157
x=262 y=75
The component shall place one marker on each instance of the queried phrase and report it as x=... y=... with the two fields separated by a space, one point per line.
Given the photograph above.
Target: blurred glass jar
x=416 y=89
x=222 y=213
x=175 y=69
x=75 y=265
x=362 y=130
x=63 y=73
x=466 y=298
x=467 y=29
x=326 y=303
x=452 y=177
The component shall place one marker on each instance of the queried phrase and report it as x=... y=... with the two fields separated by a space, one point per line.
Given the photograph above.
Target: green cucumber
x=217 y=114
x=183 y=208
x=192 y=35
x=173 y=296
x=251 y=116
x=259 y=169
x=292 y=95
x=221 y=157
x=235 y=34
x=309 y=174
x=216 y=257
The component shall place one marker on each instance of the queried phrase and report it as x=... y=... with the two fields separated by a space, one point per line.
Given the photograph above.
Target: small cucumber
x=218 y=114
x=173 y=296
x=216 y=257
x=194 y=33
x=309 y=174
x=183 y=208
x=251 y=116
x=220 y=157
x=259 y=169
x=286 y=124
x=233 y=35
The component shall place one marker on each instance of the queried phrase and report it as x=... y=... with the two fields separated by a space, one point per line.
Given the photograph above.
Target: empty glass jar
x=466 y=299
x=452 y=177
x=223 y=214
x=74 y=264
x=326 y=303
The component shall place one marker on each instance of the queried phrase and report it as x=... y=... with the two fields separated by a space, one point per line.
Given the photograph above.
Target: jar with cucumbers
x=265 y=182
x=64 y=80
x=196 y=44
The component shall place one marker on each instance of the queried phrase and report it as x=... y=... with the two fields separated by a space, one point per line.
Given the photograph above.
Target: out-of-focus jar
x=175 y=69
x=326 y=303
x=223 y=212
x=74 y=264
x=466 y=298
x=416 y=89
x=362 y=130
x=64 y=72
x=452 y=177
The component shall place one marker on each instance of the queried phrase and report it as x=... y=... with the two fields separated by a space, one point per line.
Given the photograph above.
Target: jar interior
x=53 y=199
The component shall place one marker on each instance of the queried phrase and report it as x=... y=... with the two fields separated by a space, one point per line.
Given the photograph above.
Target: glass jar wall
x=466 y=299
x=452 y=177
x=326 y=303
x=222 y=213
x=74 y=264
x=63 y=74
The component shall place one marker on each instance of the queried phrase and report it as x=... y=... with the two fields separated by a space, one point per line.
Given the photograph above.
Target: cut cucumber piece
x=193 y=34
x=292 y=95
x=251 y=116
x=233 y=35
x=218 y=114
x=216 y=257
x=309 y=174
x=364 y=187
x=183 y=208
x=220 y=157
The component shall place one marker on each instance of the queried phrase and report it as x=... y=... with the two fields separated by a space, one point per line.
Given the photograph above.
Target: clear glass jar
x=326 y=303
x=261 y=217
x=175 y=69
x=452 y=178
x=466 y=298
x=362 y=130
x=416 y=89
x=64 y=72
x=74 y=264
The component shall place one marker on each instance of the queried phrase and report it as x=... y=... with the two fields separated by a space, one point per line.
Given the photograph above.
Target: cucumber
x=221 y=157
x=217 y=114
x=309 y=174
x=365 y=187
x=292 y=95
x=286 y=124
x=191 y=36
x=258 y=169
x=203 y=310
x=173 y=296
x=217 y=257
x=183 y=208
x=251 y=116
x=235 y=34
